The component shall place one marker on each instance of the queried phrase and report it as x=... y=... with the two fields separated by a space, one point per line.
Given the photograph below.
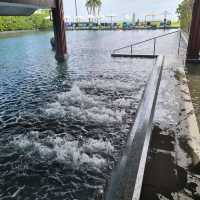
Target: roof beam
x=31 y=3
x=23 y=7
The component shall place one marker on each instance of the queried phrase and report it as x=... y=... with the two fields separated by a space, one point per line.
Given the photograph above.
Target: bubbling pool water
x=63 y=127
x=96 y=116
x=65 y=149
x=85 y=107
x=94 y=145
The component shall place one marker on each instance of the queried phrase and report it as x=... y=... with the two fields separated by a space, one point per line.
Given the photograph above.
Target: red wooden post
x=194 y=38
x=59 y=31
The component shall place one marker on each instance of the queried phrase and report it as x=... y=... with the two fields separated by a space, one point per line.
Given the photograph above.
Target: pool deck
x=189 y=122
x=173 y=165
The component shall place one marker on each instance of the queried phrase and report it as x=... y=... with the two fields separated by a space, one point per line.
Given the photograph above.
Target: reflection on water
x=63 y=127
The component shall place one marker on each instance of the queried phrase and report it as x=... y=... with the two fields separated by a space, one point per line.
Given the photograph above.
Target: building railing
x=115 y=52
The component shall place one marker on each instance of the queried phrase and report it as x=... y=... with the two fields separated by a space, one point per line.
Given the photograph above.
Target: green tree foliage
x=37 y=21
x=184 y=11
x=93 y=6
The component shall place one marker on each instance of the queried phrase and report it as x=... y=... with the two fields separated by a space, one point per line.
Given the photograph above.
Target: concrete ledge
x=193 y=61
x=190 y=122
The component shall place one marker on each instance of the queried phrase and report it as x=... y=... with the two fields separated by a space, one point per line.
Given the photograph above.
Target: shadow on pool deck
x=163 y=178
x=162 y=175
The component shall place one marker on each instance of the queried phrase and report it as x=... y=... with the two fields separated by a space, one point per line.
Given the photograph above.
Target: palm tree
x=76 y=9
x=98 y=6
x=76 y=12
x=93 y=7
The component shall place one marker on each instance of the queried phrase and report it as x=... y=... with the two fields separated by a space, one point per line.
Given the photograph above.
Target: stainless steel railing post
x=179 y=43
x=131 y=49
x=154 y=47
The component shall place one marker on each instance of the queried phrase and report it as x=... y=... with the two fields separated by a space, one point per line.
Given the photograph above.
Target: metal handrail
x=144 y=41
x=127 y=178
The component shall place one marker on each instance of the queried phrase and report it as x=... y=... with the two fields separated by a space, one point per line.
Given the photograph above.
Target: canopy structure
x=28 y=7
x=23 y=7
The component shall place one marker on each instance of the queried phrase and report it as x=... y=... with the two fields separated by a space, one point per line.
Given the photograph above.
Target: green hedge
x=184 y=11
x=36 y=21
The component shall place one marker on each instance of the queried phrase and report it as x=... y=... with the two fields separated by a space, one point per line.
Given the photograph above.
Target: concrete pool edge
x=189 y=121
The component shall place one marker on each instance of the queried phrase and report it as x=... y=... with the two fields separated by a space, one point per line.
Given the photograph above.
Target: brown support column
x=194 y=38
x=59 y=31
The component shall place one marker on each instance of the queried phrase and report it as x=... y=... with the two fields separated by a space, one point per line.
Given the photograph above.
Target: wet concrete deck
x=168 y=174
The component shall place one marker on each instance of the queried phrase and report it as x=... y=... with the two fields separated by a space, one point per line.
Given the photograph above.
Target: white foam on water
x=22 y=142
x=44 y=151
x=55 y=109
x=32 y=142
x=76 y=112
x=77 y=97
x=98 y=146
x=63 y=150
x=105 y=115
x=97 y=114
x=70 y=151
x=111 y=85
x=122 y=103
x=77 y=104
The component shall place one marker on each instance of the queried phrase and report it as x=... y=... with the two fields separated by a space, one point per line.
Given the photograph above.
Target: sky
x=126 y=7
